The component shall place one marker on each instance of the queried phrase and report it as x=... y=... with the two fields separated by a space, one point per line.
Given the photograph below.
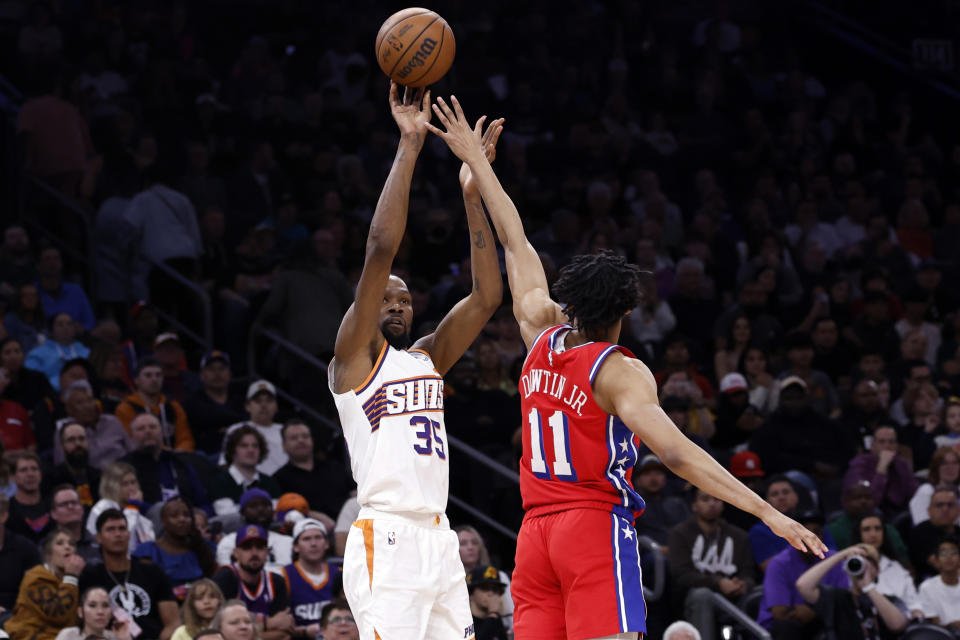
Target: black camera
x=854 y=566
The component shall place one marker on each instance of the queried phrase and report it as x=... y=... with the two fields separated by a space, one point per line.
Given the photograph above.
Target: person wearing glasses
x=924 y=539
x=337 y=623
x=66 y=513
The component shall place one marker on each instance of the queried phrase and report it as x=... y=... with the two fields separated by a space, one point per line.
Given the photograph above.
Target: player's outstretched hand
x=412 y=112
x=489 y=143
x=795 y=533
x=465 y=142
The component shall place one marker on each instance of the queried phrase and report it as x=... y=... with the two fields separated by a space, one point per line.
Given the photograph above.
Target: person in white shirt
x=256 y=507
x=940 y=595
x=944 y=469
x=893 y=578
x=262 y=407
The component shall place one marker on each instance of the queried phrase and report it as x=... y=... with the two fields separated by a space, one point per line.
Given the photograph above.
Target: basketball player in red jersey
x=586 y=404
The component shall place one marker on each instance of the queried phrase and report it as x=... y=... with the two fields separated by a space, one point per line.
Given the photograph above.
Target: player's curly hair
x=597 y=289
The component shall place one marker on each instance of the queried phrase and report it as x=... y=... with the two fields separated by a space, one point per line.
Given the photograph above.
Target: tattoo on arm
x=478 y=240
x=476 y=283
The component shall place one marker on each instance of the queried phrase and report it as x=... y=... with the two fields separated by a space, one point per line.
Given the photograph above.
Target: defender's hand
x=801 y=538
x=490 y=138
x=465 y=142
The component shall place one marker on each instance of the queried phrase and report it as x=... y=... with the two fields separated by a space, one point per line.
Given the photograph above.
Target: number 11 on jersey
x=562 y=468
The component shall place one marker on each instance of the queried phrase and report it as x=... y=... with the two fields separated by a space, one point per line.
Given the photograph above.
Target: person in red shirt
x=15 y=428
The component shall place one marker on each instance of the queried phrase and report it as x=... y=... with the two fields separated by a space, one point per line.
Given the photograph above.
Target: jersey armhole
x=375 y=370
x=536 y=340
x=600 y=359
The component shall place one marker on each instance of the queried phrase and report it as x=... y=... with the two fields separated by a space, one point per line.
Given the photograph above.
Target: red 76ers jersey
x=573 y=451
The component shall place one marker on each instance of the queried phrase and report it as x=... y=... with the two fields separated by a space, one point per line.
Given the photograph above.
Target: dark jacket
x=170 y=469
x=796 y=441
x=696 y=561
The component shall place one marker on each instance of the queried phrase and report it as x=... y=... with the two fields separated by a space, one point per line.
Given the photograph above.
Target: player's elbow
x=488 y=297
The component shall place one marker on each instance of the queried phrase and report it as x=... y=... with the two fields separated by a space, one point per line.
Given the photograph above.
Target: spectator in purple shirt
x=890 y=476
x=782 y=610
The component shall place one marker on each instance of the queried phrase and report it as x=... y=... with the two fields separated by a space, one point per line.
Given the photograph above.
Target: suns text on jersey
x=553 y=384
x=417 y=394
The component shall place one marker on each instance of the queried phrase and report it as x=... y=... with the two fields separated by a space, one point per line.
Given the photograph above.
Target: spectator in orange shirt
x=148 y=398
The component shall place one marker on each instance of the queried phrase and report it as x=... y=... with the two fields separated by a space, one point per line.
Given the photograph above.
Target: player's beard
x=397 y=341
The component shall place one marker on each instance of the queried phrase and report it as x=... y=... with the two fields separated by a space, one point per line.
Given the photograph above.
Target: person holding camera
x=860 y=612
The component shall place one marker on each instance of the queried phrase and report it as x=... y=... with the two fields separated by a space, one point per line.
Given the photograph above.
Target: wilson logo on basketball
x=419 y=58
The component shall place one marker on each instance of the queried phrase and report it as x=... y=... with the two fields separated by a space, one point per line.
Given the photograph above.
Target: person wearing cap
x=256 y=508
x=244 y=450
x=820 y=390
x=486 y=591
x=664 y=510
x=263 y=591
x=309 y=578
x=62 y=346
x=105 y=434
x=782 y=609
x=178 y=381
x=149 y=398
x=261 y=406
x=708 y=555
x=214 y=407
x=736 y=419
x=797 y=437
x=745 y=466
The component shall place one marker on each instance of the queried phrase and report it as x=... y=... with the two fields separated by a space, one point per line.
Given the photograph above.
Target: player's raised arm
x=626 y=388
x=465 y=321
x=359 y=330
x=532 y=305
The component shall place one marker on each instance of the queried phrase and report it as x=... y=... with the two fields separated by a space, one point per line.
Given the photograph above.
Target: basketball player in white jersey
x=402 y=571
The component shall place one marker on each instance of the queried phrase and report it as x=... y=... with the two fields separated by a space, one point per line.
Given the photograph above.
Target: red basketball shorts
x=577 y=576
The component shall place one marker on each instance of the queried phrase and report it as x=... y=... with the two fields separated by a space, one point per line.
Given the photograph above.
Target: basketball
x=415 y=47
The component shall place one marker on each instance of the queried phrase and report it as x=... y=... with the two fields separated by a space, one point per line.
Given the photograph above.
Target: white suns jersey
x=393 y=424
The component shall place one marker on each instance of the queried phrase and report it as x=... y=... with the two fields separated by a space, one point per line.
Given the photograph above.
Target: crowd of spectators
x=799 y=223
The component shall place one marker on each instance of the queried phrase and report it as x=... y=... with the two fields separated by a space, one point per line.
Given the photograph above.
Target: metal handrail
x=182 y=329
x=881 y=47
x=289 y=346
x=201 y=294
x=659 y=568
x=741 y=617
x=484 y=518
